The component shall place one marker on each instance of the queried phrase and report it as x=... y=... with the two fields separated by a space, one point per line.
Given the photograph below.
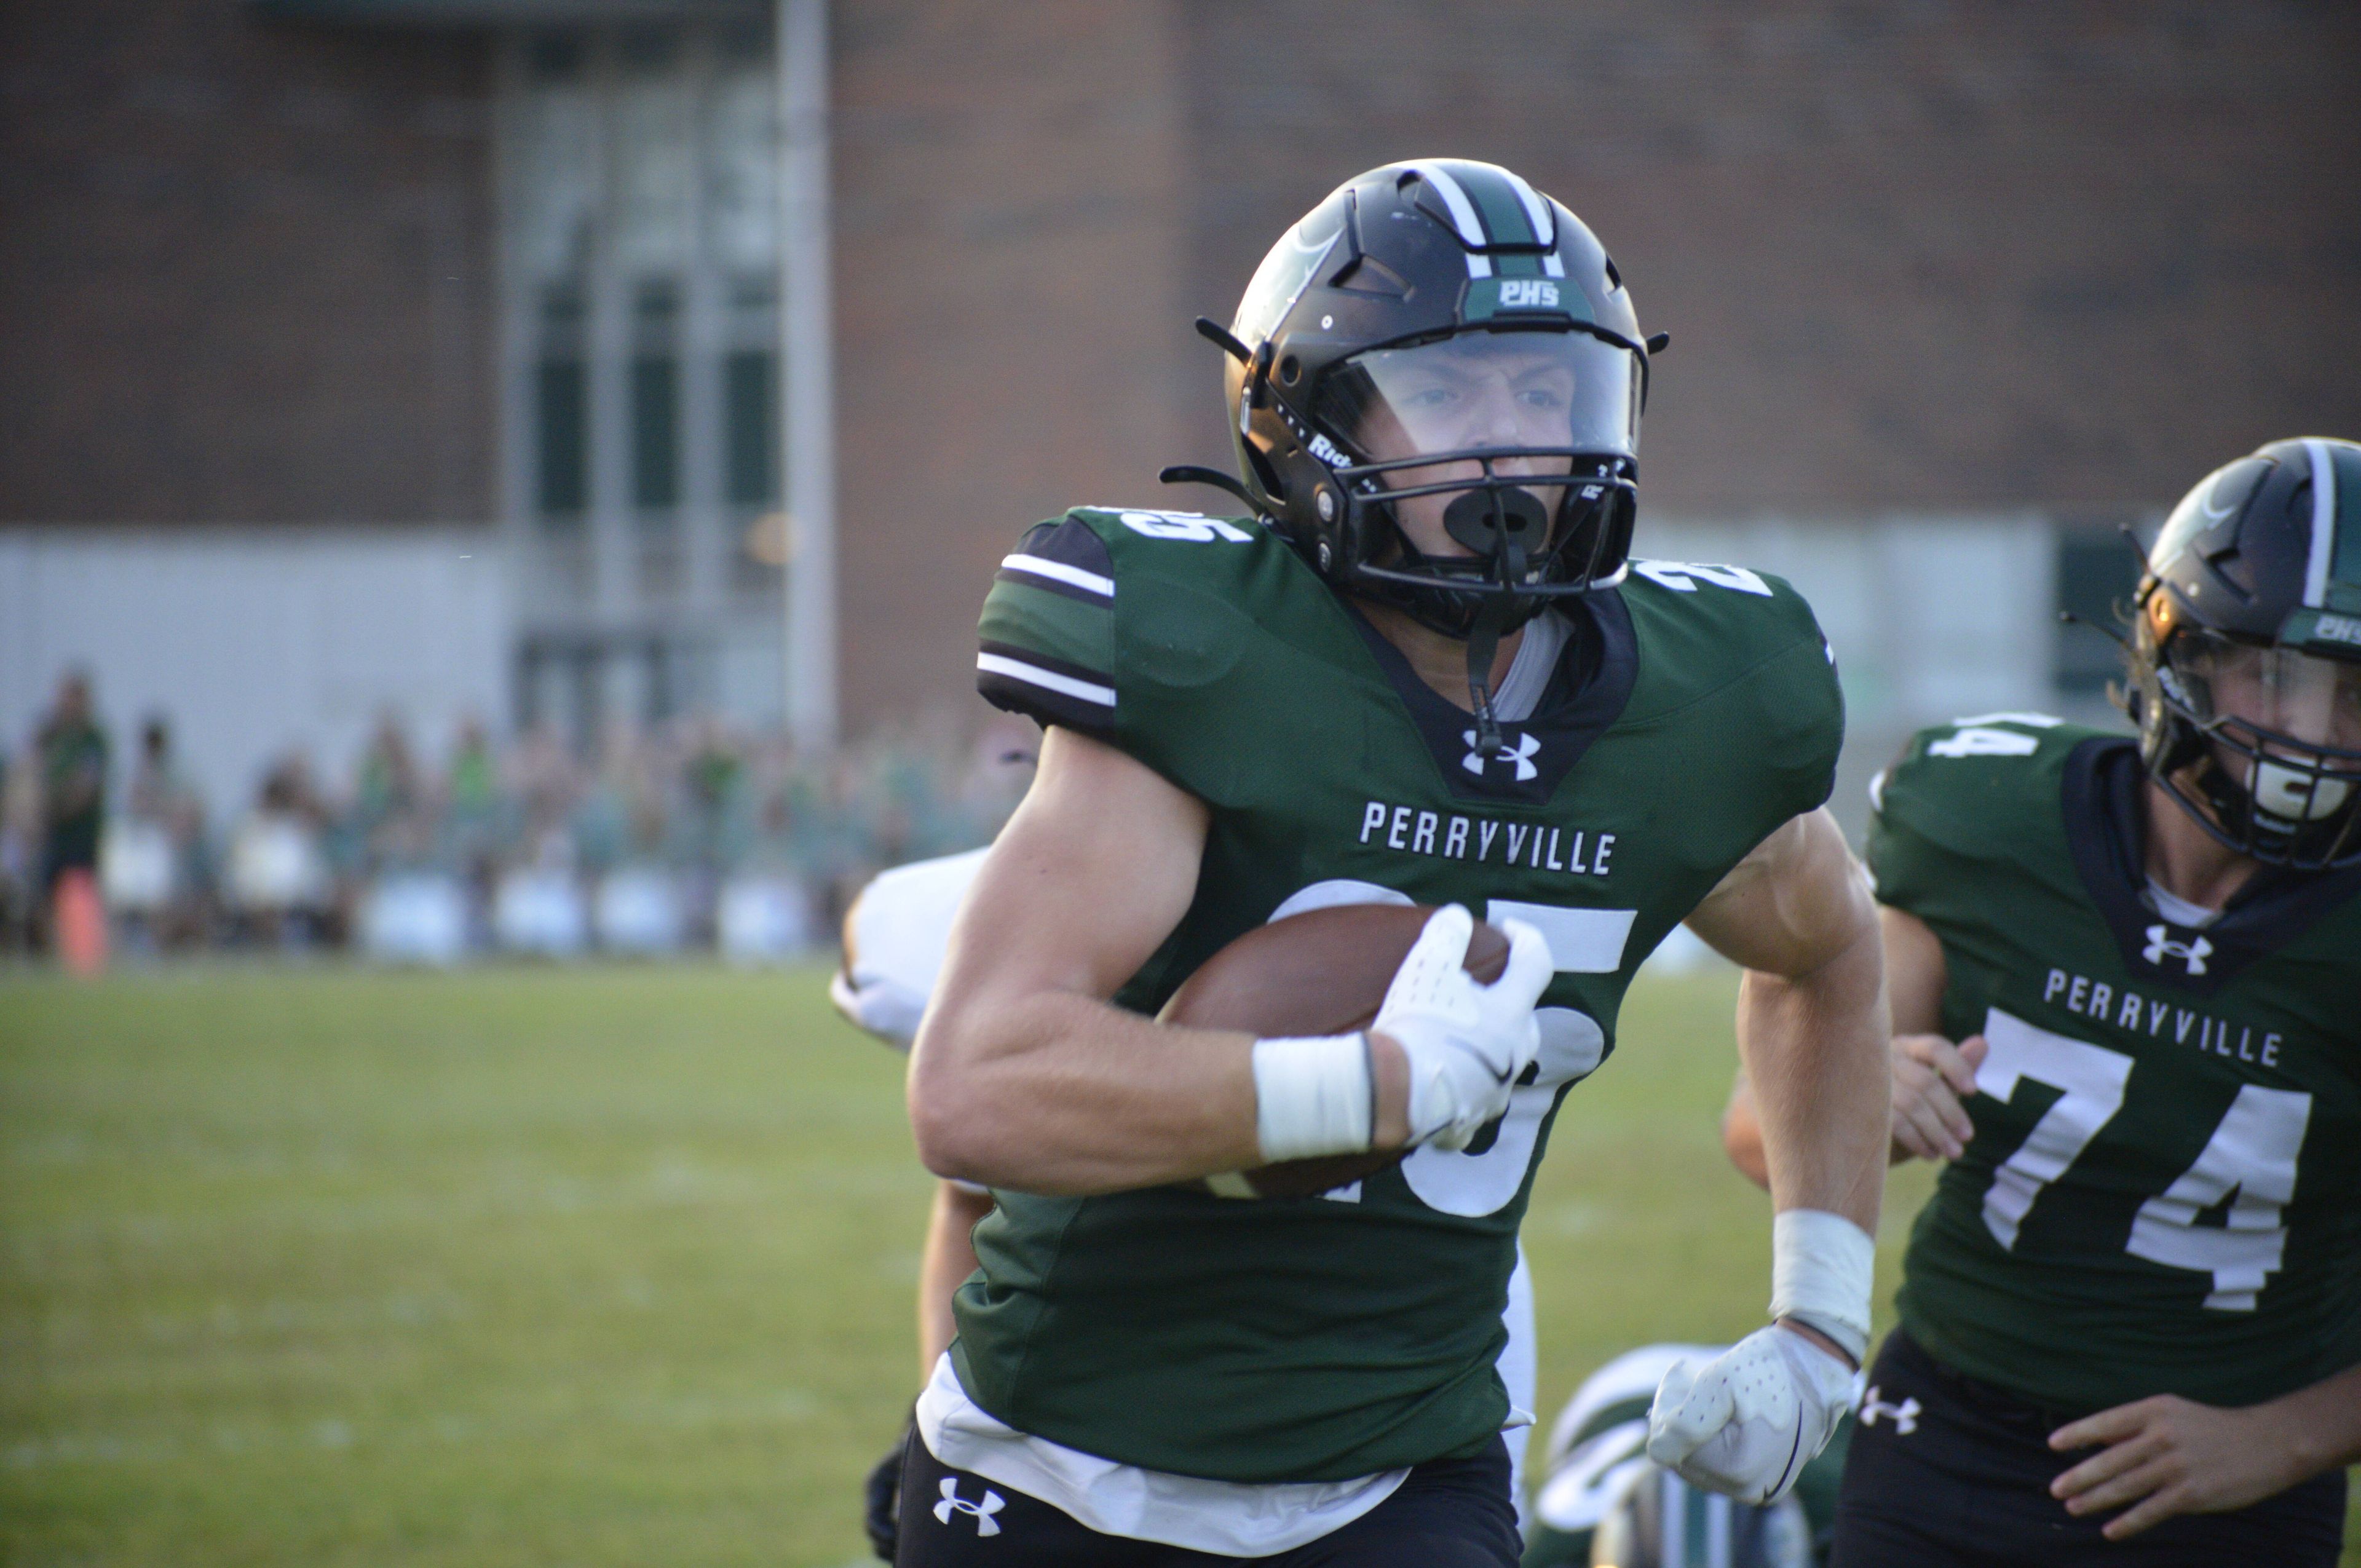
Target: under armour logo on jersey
x=981 y=1512
x=2160 y=946
x=1522 y=754
x=1904 y=1416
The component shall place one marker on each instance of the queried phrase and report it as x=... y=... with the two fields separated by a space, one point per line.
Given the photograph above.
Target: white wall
x=257 y=642
x=1931 y=616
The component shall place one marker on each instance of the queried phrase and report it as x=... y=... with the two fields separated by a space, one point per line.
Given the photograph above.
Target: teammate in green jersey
x=2126 y=988
x=1421 y=673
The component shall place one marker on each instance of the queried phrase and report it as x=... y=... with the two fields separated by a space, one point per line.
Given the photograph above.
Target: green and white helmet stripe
x=1492 y=206
x=2328 y=621
x=2336 y=558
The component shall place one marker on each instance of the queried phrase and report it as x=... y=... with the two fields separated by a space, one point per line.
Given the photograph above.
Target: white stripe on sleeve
x=1076 y=576
x=1047 y=680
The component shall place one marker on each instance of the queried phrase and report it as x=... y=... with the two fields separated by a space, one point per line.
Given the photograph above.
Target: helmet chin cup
x=2294 y=795
x=1491 y=521
x=2265 y=808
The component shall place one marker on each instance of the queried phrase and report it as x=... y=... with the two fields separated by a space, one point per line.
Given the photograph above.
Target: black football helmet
x=1440 y=329
x=2245 y=654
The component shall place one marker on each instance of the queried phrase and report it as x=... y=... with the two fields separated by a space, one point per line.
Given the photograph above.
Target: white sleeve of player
x=895 y=937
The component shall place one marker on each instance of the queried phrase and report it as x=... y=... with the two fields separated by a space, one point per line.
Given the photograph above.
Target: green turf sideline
x=529 y=1267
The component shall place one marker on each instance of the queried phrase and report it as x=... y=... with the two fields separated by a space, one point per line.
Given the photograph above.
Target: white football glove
x=1747 y=1422
x=1466 y=1042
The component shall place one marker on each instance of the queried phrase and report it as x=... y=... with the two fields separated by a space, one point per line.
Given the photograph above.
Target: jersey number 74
x=2251 y=1153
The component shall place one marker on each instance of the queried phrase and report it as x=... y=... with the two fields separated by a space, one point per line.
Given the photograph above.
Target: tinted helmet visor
x=1560 y=391
x=2285 y=723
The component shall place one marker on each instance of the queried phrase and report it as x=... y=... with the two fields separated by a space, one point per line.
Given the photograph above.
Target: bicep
x=1091 y=874
x=1916 y=974
x=1796 y=902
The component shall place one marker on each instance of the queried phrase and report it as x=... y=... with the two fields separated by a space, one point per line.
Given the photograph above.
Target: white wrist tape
x=1821 y=1266
x=1313 y=1096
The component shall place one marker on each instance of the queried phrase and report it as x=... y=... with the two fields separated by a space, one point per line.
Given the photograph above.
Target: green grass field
x=587 y=1267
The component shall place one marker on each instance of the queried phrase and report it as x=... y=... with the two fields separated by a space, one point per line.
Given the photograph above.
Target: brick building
x=1999 y=275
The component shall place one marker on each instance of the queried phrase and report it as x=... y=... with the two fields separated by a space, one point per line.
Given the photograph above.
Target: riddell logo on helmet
x=1528 y=294
x=1325 y=450
x=2338 y=629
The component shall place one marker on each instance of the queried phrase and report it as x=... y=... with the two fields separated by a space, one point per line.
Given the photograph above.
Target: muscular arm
x=1023 y=1075
x=1812 y=1026
x=1915 y=979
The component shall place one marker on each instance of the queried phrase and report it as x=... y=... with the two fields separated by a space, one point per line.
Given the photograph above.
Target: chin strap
x=1484 y=643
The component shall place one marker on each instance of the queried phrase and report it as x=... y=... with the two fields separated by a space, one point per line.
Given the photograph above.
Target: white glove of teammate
x=1747 y=1422
x=1466 y=1042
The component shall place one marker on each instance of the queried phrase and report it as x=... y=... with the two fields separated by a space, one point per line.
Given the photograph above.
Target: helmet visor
x=1556 y=391
x=2281 y=693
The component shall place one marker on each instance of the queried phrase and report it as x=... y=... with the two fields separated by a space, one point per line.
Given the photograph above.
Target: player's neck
x=1441 y=662
x=2186 y=860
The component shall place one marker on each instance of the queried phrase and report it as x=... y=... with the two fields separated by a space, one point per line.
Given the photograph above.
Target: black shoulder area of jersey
x=2104 y=802
x=1045 y=646
x=1123 y=621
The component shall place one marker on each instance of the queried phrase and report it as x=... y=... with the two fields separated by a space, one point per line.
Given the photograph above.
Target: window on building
x=655 y=405
x=564 y=424
x=639 y=199
x=750 y=405
x=561 y=413
x=655 y=432
x=556 y=55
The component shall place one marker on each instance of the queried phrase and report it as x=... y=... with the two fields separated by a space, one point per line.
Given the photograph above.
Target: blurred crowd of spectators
x=682 y=836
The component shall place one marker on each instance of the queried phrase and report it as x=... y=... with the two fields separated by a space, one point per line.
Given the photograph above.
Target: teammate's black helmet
x=1440 y=329
x=2245 y=654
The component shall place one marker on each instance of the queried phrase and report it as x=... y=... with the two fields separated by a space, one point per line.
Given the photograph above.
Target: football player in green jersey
x=1419 y=673
x=2126 y=988
x=894 y=936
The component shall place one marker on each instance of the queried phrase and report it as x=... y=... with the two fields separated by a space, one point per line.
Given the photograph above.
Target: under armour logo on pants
x=980 y=1512
x=1904 y=1416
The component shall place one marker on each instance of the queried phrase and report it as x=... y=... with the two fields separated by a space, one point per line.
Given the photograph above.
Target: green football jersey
x=2163 y=1194
x=1333 y=1337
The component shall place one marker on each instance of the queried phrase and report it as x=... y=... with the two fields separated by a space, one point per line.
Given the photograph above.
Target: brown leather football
x=1322 y=972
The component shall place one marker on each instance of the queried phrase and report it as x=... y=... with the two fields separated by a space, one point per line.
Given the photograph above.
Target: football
x=1321 y=972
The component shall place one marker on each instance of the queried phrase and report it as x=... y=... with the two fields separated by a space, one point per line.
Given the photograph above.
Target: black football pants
x=1454 y=1513
x=1946 y=1472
